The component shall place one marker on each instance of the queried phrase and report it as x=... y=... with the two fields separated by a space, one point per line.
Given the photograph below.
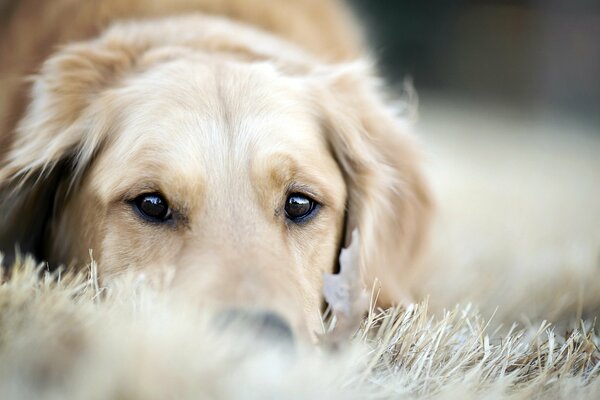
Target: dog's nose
x=263 y=324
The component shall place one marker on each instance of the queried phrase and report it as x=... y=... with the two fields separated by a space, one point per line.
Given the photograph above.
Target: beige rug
x=64 y=337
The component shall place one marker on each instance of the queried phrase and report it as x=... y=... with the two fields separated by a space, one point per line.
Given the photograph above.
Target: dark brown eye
x=299 y=207
x=153 y=207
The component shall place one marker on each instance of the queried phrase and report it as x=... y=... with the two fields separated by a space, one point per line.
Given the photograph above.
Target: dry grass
x=64 y=337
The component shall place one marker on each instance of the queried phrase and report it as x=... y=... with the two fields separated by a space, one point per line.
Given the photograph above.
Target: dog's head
x=243 y=171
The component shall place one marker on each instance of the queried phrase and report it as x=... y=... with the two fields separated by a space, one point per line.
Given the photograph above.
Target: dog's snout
x=264 y=324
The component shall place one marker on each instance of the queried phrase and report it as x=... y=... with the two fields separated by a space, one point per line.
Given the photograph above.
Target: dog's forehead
x=204 y=120
x=219 y=105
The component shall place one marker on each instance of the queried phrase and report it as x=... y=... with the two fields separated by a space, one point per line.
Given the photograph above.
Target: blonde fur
x=223 y=115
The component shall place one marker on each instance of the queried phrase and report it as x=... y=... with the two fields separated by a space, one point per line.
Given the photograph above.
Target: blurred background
x=538 y=56
x=509 y=113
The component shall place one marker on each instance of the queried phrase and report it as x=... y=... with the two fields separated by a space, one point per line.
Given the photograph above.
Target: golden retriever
x=238 y=142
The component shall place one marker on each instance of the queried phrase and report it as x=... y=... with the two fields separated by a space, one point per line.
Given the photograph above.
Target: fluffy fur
x=57 y=340
x=508 y=233
x=224 y=115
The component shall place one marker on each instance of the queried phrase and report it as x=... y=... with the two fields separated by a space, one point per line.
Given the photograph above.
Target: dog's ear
x=62 y=128
x=388 y=198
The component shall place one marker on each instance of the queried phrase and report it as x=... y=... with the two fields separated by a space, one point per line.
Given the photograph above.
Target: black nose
x=263 y=324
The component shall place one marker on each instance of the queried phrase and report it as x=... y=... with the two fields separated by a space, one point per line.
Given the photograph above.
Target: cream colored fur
x=515 y=226
x=223 y=115
x=516 y=221
x=78 y=340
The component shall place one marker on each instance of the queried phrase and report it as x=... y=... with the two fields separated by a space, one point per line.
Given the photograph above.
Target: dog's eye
x=298 y=207
x=153 y=207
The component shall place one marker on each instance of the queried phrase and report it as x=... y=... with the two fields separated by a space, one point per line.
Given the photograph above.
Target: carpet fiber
x=65 y=337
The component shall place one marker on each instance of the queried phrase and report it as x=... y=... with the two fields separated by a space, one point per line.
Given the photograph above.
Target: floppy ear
x=59 y=133
x=389 y=201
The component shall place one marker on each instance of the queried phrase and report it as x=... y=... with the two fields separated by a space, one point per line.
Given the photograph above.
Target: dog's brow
x=136 y=190
x=286 y=172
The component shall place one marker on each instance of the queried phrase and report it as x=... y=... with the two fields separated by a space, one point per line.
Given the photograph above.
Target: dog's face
x=240 y=177
x=220 y=171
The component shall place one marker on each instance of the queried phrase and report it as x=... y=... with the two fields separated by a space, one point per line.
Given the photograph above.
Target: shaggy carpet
x=63 y=336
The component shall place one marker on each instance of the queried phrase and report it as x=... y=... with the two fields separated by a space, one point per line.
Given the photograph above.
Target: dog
x=237 y=142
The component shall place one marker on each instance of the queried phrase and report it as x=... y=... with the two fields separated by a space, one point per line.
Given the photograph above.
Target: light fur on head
x=70 y=122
